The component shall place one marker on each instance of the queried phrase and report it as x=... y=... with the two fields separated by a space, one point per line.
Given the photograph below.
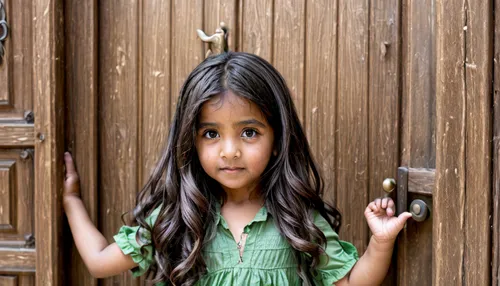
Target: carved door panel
x=17 y=244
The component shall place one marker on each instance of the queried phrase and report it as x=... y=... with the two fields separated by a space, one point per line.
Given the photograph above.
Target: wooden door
x=446 y=146
x=17 y=213
x=378 y=85
x=30 y=141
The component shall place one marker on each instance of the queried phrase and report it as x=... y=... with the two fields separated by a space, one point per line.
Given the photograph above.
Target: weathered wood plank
x=17 y=134
x=417 y=133
x=495 y=245
x=119 y=106
x=421 y=181
x=383 y=100
x=352 y=120
x=418 y=81
x=155 y=95
x=478 y=76
x=18 y=260
x=82 y=128
x=217 y=11
x=8 y=280
x=48 y=89
x=321 y=87
x=187 y=48
x=451 y=107
x=289 y=46
x=256 y=28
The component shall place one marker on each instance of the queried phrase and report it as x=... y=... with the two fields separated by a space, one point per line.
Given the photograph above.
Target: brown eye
x=249 y=133
x=211 y=134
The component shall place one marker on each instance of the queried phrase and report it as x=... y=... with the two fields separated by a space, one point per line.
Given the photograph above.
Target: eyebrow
x=244 y=122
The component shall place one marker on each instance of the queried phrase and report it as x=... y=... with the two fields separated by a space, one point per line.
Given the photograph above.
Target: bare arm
x=101 y=258
x=373 y=265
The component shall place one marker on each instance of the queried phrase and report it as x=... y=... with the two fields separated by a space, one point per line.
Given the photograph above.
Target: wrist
x=382 y=244
x=69 y=200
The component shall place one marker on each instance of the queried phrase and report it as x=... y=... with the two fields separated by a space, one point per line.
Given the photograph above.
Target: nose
x=230 y=149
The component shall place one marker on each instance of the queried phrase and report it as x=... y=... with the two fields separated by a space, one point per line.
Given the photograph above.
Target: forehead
x=229 y=107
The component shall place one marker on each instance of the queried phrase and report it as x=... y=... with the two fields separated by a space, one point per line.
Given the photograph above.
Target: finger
x=384 y=203
x=390 y=203
x=69 y=164
x=378 y=202
x=371 y=207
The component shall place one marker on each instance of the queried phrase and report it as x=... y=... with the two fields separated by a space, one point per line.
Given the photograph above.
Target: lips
x=231 y=169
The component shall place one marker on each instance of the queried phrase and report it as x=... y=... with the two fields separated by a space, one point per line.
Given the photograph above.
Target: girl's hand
x=71 y=179
x=381 y=220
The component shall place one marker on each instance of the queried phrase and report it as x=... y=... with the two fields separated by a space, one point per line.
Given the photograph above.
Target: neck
x=242 y=196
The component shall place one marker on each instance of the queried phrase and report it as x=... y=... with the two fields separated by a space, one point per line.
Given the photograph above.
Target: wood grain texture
x=417 y=149
x=155 y=94
x=22 y=204
x=216 y=11
x=478 y=77
x=321 y=87
x=8 y=280
x=418 y=107
x=352 y=120
x=187 y=48
x=289 y=46
x=82 y=128
x=48 y=89
x=17 y=134
x=256 y=28
x=20 y=58
x=383 y=100
x=19 y=260
x=6 y=66
x=495 y=243
x=119 y=107
x=421 y=181
x=451 y=107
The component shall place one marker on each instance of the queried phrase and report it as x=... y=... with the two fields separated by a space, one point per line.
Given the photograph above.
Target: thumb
x=403 y=217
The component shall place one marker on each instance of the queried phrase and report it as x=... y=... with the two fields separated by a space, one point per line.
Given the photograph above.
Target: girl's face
x=234 y=142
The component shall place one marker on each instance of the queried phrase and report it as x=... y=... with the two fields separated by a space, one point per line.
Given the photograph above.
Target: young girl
x=236 y=197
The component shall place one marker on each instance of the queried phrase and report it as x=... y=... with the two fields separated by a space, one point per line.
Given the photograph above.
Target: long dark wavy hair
x=187 y=196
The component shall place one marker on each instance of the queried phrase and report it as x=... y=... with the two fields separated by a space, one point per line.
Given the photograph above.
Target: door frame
x=48 y=87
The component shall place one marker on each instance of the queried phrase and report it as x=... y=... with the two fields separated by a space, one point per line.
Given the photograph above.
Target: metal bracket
x=4 y=29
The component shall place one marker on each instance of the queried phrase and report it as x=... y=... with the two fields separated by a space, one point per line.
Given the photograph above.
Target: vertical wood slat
x=419 y=83
x=383 y=100
x=217 y=11
x=81 y=100
x=288 y=48
x=256 y=28
x=187 y=48
x=49 y=125
x=352 y=120
x=321 y=87
x=495 y=245
x=155 y=59
x=478 y=69
x=449 y=193
x=418 y=114
x=118 y=97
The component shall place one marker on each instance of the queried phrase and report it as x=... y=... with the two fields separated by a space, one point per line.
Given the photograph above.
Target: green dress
x=268 y=259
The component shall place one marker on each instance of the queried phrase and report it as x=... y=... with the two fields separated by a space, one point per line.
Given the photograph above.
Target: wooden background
x=363 y=77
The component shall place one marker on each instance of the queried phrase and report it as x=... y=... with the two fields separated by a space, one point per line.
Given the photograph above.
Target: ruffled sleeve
x=339 y=256
x=130 y=239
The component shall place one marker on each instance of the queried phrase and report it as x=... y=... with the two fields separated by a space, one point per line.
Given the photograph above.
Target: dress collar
x=219 y=219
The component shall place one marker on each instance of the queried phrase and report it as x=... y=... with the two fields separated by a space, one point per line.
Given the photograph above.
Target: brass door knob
x=389 y=185
x=419 y=210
